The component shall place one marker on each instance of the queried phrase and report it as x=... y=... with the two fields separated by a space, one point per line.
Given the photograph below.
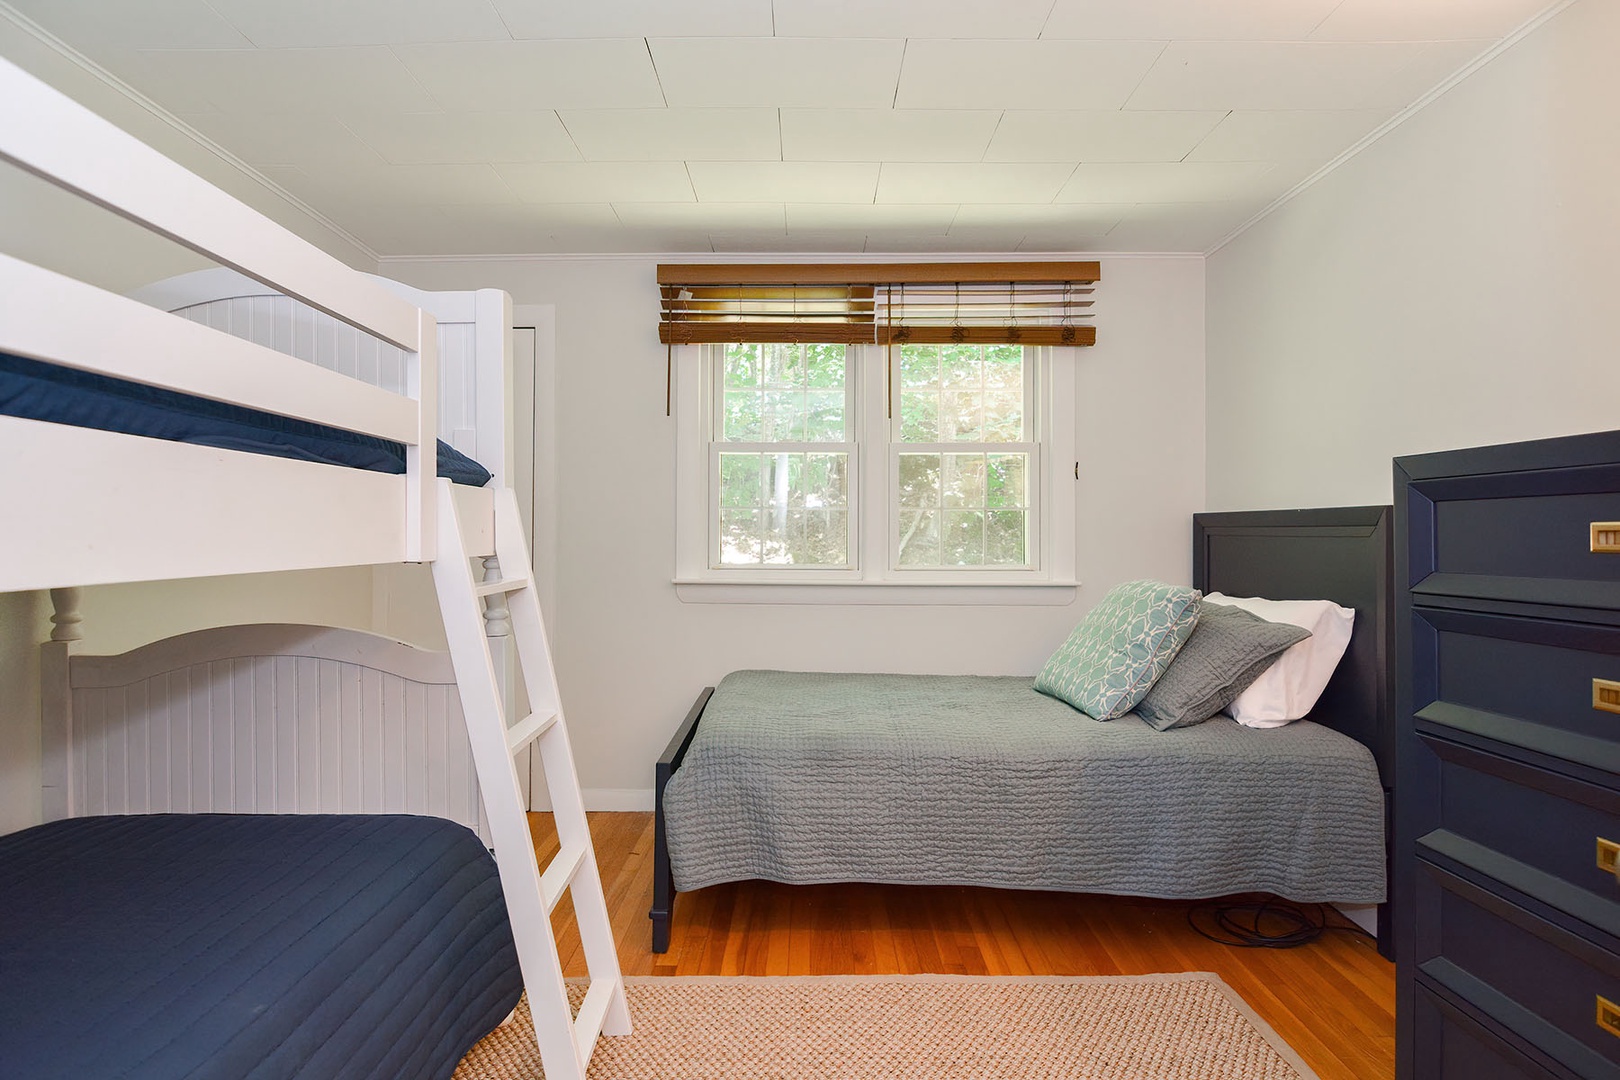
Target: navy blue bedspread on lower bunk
x=237 y=945
x=60 y=395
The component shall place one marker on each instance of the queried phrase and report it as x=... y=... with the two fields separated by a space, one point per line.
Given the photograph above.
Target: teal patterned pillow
x=1121 y=648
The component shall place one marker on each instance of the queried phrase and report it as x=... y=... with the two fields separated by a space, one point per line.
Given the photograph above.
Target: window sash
x=1033 y=489
x=851 y=507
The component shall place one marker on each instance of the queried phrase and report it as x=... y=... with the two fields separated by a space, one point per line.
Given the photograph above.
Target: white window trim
x=874 y=581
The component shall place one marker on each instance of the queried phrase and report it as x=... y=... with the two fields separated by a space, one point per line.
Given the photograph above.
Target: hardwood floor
x=1333 y=1000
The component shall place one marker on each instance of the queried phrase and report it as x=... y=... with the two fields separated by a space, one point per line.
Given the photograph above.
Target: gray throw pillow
x=1120 y=648
x=1228 y=650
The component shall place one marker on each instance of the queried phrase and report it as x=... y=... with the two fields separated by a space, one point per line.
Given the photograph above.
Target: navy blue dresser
x=1507 y=829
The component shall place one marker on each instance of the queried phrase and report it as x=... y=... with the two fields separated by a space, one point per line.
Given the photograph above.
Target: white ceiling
x=440 y=127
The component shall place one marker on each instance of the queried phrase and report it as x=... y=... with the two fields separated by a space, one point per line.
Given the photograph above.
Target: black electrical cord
x=1262 y=924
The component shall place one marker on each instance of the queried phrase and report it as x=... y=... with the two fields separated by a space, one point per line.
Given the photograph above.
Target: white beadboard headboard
x=269 y=718
x=475 y=348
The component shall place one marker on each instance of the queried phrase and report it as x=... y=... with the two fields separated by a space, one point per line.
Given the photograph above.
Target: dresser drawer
x=1533 y=536
x=1543 y=685
x=1533 y=981
x=1452 y=1046
x=1533 y=830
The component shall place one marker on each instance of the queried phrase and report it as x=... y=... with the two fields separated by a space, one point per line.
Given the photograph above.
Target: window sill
x=1006 y=594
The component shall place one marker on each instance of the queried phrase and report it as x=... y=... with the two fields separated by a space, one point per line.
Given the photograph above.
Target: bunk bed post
x=422 y=459
x=56 y=705
x=492 y=331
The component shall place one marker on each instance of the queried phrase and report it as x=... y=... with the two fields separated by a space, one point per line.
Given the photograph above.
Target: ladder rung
x=528 y=729
x=557 y=876
x=501 y=585
x=592 y=1011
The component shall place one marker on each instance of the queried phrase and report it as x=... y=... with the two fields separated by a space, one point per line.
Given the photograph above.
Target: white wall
x=631 y=656
x=1453 y=285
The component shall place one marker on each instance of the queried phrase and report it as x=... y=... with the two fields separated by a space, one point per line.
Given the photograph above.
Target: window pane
x=744 y=416
x=962 y=393
x=919 y=538
x=1004 y=417
x=1005 y=480
x=919 y=416
x=739 y=537
x=964 y=538
x=784 y=365
x=824 y=365
x=964 y=365
x=919 y=480
x=961 y=416
x=919 y=365
x=826 y=483
x=824 y=416
x=963 y=480
x=1004 y=532
x=739 y=480
x=742 y=365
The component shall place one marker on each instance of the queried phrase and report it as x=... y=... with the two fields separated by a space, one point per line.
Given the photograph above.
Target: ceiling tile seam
x=1126 y=104
x=558 y=113
x=411 y=74
x=1182 y=160
x=691 y=185
x=646 y=43
x=1435 y=94
x=1323 y=20
x=781 y=140
x=159 y=113
x=501 y=19
x=222 y=17
x=1047 y=21
x=985 y=153
x=900 y=74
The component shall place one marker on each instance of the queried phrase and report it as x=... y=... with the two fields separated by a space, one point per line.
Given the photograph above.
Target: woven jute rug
x=919 y=1027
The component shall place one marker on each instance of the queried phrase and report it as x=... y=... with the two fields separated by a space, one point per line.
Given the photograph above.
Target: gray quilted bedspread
x=935 y=779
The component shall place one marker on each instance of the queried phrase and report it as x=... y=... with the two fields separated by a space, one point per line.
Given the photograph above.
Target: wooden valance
x=985 y=303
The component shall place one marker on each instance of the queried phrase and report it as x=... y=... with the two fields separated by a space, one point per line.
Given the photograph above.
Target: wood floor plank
x=1333 y=1000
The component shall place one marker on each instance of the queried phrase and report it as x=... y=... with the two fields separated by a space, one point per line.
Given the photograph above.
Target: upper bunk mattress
x=967 y=780
x=60 y=395
x=223 y=945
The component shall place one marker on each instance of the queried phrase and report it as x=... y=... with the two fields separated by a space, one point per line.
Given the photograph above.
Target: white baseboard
x=1363 y=915
x=612 y=800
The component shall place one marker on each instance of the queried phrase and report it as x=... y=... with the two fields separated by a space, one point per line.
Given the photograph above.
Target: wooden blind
x=1025 y=303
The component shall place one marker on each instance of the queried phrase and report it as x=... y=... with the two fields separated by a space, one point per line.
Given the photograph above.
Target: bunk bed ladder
x=565 y=1042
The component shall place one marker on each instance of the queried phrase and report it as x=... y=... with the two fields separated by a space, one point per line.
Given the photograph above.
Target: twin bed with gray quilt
x=964 y=780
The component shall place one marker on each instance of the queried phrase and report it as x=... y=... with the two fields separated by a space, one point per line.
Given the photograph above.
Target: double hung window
x=911 y=464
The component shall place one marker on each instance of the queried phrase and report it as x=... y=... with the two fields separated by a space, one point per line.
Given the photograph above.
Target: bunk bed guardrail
x=48 y=317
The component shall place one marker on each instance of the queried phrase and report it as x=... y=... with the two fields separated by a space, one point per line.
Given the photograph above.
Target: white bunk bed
x=112 y=507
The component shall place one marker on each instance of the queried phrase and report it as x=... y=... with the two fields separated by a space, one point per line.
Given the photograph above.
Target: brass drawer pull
x=1608 y=1015
x=1606 y=695
x=1606 y=537
x=1608 y=856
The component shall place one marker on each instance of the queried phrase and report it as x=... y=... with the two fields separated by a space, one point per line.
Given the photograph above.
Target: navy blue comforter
x=225 y=945
x=59 y=395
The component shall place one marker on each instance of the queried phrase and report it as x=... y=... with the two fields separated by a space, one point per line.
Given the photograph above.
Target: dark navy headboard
x=1343 y=554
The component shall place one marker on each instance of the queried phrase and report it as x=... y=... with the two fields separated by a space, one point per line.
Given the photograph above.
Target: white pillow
x=1289 y=688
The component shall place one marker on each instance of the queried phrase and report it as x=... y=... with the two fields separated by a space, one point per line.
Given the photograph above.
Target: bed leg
x=663 y=907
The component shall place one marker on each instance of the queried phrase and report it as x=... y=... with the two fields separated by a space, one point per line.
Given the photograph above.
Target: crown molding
x=722 y=258
x=1435 y=94
x=112 y=82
